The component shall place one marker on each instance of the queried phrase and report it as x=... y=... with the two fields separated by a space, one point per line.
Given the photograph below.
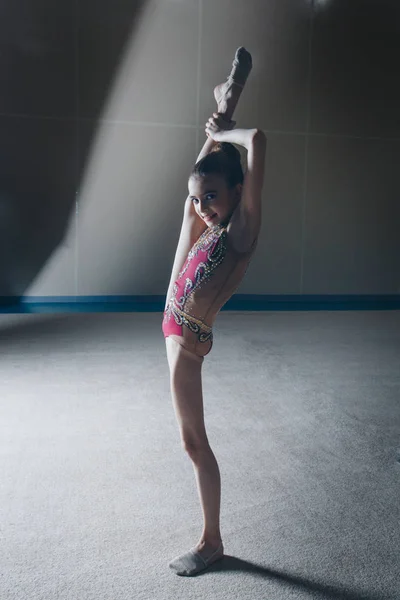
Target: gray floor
x=97 y=495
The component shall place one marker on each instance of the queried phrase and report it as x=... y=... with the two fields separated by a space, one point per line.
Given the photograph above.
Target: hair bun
x=228 y=149
x=223 y=160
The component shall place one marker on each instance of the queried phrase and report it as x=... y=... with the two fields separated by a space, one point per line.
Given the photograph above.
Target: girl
x=221 y=223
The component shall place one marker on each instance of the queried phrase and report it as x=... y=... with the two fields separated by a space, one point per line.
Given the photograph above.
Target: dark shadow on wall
x=57 y=63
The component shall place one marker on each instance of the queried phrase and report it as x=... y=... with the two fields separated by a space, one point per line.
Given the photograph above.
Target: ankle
x=212 y=540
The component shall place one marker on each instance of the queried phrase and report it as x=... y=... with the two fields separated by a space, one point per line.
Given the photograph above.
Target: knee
x=195 y=446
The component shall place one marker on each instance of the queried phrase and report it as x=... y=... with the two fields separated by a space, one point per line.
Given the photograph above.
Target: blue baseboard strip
x=238 y=302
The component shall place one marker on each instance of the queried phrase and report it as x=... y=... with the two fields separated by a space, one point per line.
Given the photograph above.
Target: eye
x=208 y=195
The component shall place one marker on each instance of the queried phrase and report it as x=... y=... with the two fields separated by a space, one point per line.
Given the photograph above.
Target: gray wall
x=102 y=114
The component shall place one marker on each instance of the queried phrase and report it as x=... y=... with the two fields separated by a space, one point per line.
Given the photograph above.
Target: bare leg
x=186 y=391
x=228 y=92
x=208 y=480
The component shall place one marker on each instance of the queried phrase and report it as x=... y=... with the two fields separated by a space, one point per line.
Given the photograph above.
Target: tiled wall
x=102 y=114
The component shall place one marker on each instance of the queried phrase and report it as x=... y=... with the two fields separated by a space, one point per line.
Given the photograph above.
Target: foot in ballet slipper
x=194 y=562
x=241 y=67
x=227 y=93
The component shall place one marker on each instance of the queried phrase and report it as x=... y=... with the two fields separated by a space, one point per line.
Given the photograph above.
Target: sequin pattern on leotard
x=209 y=250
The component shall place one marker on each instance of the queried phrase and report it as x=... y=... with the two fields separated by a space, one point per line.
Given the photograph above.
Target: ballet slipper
x=192 y=562
x=228 y=93
x=241 y=67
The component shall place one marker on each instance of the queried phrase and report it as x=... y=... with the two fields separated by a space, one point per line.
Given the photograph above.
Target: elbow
x=259 y=136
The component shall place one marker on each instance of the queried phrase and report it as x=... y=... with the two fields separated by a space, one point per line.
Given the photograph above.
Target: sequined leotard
x=211 y=273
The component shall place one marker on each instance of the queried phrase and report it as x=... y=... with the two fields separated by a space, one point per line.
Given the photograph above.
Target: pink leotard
x=211 y=273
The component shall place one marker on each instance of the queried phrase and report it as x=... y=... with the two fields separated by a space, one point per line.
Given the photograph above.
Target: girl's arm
x=225 y=125
x=246 y=220
x=248 y=214
x=208 y=146
x=242 y=137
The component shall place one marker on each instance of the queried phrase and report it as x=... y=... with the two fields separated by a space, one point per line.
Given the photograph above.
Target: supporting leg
x=208 y=481
x=187 y=397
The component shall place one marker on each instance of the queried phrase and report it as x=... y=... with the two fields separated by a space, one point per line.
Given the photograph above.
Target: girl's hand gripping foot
x=216 y=125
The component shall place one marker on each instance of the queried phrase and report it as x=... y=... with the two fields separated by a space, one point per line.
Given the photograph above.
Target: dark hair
x=224 y=160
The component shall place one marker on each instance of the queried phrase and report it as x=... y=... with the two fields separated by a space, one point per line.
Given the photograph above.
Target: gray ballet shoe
x=192 y=562
x=241 y=67
x=226 y=94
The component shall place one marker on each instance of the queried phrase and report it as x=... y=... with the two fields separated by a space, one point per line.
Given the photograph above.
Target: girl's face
x=213 y=201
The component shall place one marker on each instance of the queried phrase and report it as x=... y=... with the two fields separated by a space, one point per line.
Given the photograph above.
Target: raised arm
x=251 y=201
x=226 y=95
x=208 y=146
x=246 y=220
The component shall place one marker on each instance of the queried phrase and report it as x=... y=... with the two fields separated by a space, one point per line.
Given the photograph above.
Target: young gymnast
x=220 y=228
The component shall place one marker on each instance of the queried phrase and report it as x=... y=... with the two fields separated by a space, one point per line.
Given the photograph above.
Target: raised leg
x=228 y=93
